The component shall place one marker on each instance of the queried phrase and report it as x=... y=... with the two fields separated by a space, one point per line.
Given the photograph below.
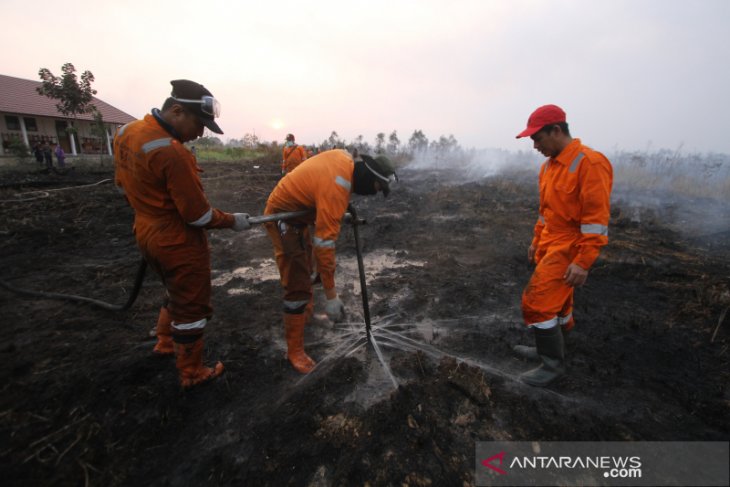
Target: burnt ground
x=84 y=402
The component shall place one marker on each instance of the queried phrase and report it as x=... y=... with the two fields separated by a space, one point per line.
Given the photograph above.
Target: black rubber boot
x=530 y=353
x=551 y=350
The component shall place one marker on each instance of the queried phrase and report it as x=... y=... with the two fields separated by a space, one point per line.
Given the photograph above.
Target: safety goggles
x=208 y=105
x=388 y=179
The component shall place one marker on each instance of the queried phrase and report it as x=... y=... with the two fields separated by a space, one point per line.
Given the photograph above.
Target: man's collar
x=568 y=153
x=169 y=128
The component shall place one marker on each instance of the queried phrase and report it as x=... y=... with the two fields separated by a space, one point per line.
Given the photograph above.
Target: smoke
x=687 y=191
x=671 y=172
x=474 y=164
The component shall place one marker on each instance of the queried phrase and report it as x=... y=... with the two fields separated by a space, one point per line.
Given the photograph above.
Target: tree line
x=74 y=97
x=391 y=144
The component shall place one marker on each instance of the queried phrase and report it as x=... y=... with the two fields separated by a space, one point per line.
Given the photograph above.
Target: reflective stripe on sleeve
x=124 y=127
x=594 y=229
x=196 y=325
x=576 y=161
x=544 y=325
x=318 y=242
x=203 y=220
x=156 y=144
x=343 y=182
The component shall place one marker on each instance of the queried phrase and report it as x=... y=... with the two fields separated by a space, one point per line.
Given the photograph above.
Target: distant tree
x=250 y=141
x=208 y=142
x=393 y=143
x=361 y=146
x=380 y=143
x=418 y=141
x=74 y=96
x=334 y=140
x=445 y=144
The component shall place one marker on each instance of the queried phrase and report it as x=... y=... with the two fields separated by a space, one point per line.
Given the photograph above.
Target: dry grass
x=692 y=175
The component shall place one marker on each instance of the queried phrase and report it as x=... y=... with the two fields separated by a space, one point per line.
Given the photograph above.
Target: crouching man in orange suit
x=322 y=184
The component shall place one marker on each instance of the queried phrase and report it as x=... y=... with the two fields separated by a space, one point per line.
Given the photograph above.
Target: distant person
x=48 y=156
x=323 y=184
x=292 y=155
x=159 y=178
x=38 y=153
x=60 y=156
x=572 y=226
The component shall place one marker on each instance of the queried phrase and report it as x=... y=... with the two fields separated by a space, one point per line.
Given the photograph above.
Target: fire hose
x=254 y=220
x=139 y=278
x=142 y=267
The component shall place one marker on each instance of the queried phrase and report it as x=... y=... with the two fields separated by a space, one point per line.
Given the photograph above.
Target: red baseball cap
x=545 y=115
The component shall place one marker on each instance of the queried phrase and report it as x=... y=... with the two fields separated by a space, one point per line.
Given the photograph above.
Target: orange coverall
x=575 y=192
x=159 y=178
x=322 y=184
x=292 y=157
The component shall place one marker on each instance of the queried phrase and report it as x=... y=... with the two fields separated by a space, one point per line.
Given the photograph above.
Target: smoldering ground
x=84 y=402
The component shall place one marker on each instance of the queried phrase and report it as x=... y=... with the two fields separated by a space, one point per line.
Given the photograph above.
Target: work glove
x=241 y=222
x=335 y=310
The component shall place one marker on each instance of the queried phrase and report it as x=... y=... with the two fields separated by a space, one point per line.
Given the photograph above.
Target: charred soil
x=84 y=401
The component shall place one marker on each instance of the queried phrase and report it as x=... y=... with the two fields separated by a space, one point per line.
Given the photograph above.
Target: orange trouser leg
x=547 y=299
x=293 y=257
x=185 y=273
x=565 y=316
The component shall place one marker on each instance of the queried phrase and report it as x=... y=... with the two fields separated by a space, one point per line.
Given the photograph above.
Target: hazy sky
x=633 y=75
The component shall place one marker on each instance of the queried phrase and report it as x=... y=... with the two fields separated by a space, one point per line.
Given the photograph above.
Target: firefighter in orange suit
x=159 y=178
x=575 y=191
x=292 y=155
x=322 y=184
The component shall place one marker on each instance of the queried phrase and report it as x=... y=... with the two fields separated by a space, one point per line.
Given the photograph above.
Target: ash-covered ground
x=84 y=402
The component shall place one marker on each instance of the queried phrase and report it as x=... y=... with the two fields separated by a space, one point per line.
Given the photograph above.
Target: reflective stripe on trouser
x=185 y=273
x=547 y=301
x=293 y=253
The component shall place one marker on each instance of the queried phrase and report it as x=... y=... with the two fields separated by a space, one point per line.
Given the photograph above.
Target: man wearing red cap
x=159 y=178
x=575 y=191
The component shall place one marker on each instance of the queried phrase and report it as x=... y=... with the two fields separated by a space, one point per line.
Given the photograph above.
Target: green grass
x=228 y=154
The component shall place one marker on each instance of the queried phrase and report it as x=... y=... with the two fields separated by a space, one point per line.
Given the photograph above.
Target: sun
x=277 y=124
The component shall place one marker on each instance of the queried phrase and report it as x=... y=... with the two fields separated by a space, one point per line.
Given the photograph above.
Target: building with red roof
x=34 y=119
